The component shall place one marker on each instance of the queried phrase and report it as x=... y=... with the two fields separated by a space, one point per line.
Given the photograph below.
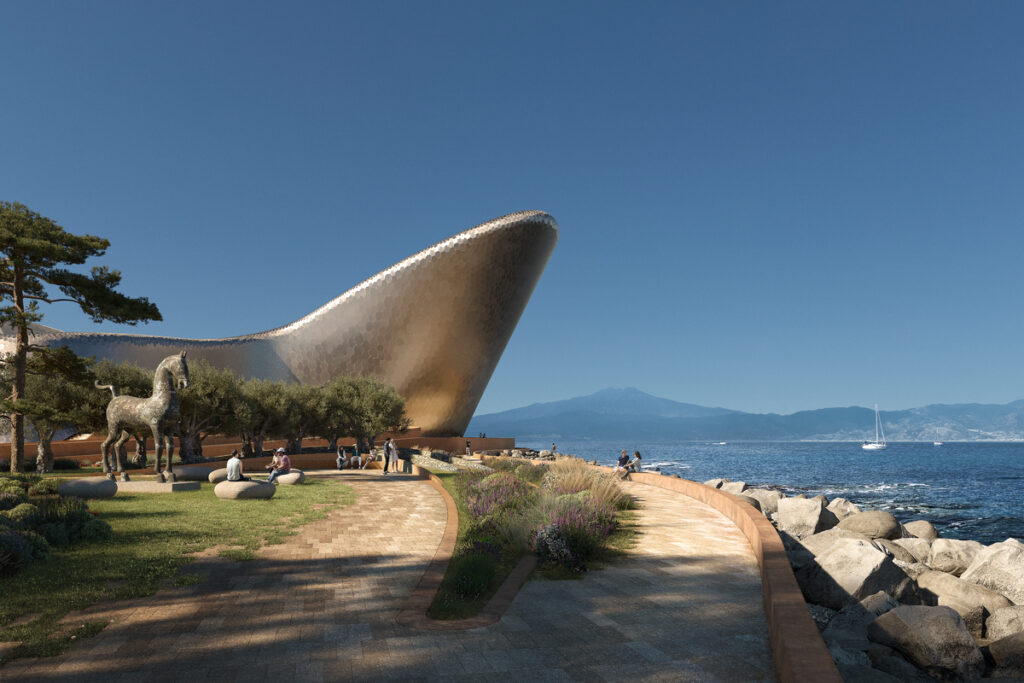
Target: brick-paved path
x=322 y=606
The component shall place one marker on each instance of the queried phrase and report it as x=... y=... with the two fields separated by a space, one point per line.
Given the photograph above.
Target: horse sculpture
x=158 y=413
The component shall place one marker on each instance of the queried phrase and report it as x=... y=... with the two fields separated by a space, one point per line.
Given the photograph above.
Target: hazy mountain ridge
x=618 y=413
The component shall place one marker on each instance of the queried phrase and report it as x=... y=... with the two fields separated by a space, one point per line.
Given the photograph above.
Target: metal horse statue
x=158 y=413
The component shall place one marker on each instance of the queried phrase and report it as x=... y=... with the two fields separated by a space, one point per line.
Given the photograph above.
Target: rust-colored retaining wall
x=798 y=651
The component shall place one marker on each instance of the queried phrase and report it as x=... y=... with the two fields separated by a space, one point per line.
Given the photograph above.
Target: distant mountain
x=633 y=414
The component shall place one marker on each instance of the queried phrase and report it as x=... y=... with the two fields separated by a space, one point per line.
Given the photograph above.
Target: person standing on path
x=391 y=451
x=385 y=458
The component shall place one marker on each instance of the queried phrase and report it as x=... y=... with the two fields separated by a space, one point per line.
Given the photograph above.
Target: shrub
x=55 y=533
x=584 y=520
x=473 y=575
x=72 y=513
x=96 y=530
x=496 y=492
x=552 y=548
x=10 y=500
x=571 y=475
x=16 y=551
x=531 y=473
x=65 y=464
x=25 y=515
x=45 y=487
x=11 y=485
x=38 y=545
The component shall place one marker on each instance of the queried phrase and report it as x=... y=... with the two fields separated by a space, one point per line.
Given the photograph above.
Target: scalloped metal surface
x=434 y=325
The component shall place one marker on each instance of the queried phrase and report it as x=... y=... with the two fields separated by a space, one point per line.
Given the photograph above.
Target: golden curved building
x=433 y=325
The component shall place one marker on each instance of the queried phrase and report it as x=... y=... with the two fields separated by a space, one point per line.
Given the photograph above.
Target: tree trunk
x=20 y=356
x=257 y=446
x=44 y=454
x=293 y=446
x=332 y=445
x=191 y=447
x=247 y=447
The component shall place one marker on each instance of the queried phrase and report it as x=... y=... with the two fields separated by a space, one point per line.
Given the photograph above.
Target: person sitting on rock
x=235 y=467
x=369 y=458
x=284 y=466
x=623 y=462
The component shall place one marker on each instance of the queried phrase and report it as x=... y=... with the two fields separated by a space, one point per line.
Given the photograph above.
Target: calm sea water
x=967 y=490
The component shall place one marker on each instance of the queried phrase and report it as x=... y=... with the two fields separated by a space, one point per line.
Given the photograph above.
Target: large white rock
x=873 y=523
x=1000 y=567
x=768 y=498
x=734 y=486
x=849 y=627
x=218 y=475
x=91 y=487
x=715 y=483
x=971 y=601
x=1005 y=622
x=934 y=638
x=1008 y=655
x=802 y=517
x=952 y=555
x=851 y=570
x=921 y=528
x=191 y=473
x=244 y=490
x=920 y=548
x=294 y=476
x=818 y=543
x=842 y=508
x=897 y=552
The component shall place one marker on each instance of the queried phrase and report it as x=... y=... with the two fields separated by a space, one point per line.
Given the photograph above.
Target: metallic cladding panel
x=433 y=325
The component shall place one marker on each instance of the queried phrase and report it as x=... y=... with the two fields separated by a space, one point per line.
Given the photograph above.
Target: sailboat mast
x=876 y=423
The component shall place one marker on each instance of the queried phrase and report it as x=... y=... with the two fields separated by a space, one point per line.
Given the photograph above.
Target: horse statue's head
x=177 y=367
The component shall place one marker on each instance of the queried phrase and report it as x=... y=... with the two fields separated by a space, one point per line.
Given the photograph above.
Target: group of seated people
x=280 y=464
x=625 y=465
x=356 y=460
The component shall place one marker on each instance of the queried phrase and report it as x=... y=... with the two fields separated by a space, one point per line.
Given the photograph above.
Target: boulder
x=244 y=490
x=897 y=552
x=889 y=661
x=821 y=499
x=191 y=473
x=851 y=570
x=822 y=541
x=873 y=523
x=768 y=498
x=933 y=638
x=848 y=629
x=971 y=601
x=217 y=476
x=1007 y=654
x=1005 y=621
x=918 y=547
x=92 y=487
x=858 y=673
x=952 y=555
x=822 y=615
x=999 y=567
x=921 y=528
x=748 y=500
x=734 y=486
x=293 y=477
x=715 y=483
x=913 y=569
x=802 y=517
x=842 y=508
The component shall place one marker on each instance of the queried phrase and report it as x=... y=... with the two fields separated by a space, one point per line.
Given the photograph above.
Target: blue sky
x=764 y=206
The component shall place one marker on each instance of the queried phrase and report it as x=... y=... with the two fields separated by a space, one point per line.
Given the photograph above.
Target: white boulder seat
x=218 y=475
x=191 y=473
x=92 y=487
x=244 y=490
x=294 y=476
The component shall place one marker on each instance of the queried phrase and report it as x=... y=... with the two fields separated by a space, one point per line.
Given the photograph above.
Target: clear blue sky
x=764 y=206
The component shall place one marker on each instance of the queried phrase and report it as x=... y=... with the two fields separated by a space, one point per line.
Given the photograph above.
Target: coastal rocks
x=734 y=487
x=999 y=567
x=921 y=528
x=918 y=547
x=971 y=601
x=853 y=569
x=820 y=542
x=933 y=638
x=952 y=555
x=752 y=502
x=715 y=483
x=93 y=487
x=849 y=628
x=768 y=498
x=873 y=523
x=897 y=552
x=802 y=517
x=842 y=508
x=1007 y=655
x=1005 y=622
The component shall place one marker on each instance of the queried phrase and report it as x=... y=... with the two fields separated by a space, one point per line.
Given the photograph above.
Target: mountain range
x=631 y=413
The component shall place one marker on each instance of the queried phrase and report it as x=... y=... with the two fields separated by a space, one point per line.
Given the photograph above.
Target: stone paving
x=686 y=605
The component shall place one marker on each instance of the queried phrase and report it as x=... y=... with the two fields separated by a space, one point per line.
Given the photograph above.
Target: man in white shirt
x=235 y=467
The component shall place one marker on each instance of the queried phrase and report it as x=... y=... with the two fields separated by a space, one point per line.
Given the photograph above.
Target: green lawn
x=154 y=536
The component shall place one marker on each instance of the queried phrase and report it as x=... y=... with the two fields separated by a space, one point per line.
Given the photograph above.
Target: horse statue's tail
x=113 y=389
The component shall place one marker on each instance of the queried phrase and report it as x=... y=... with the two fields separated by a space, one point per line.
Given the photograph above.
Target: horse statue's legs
x=170 y=456
x=105 y=452
x=119 y=455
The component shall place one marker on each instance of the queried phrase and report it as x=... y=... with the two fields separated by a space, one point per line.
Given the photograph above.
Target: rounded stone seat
x=93 y=487
x=218 y=475
x=293 y=477
x=244 y=490
x=191 y=473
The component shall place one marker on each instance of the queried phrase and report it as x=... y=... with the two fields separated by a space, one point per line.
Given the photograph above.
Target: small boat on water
x=879 y=443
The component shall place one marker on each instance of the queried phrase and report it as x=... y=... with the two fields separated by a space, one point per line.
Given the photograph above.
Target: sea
x=969 y=490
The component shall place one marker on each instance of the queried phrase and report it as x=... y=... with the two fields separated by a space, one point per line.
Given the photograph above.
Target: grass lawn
x=154 y=536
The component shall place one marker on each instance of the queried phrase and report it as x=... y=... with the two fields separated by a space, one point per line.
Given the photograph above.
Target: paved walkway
x=686 y=606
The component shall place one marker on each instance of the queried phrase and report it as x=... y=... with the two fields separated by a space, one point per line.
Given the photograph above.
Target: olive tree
x=376 y=408
x=207 y=407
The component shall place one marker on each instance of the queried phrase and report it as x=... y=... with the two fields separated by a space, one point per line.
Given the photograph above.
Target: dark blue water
x=967 y=490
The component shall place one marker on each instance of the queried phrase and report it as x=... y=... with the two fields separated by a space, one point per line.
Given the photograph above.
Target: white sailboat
x=877 y=444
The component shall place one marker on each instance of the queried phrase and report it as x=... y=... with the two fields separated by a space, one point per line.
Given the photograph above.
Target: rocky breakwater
x=895 y=601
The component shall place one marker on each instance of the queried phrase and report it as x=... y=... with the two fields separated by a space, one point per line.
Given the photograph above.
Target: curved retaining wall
x=798 y=651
